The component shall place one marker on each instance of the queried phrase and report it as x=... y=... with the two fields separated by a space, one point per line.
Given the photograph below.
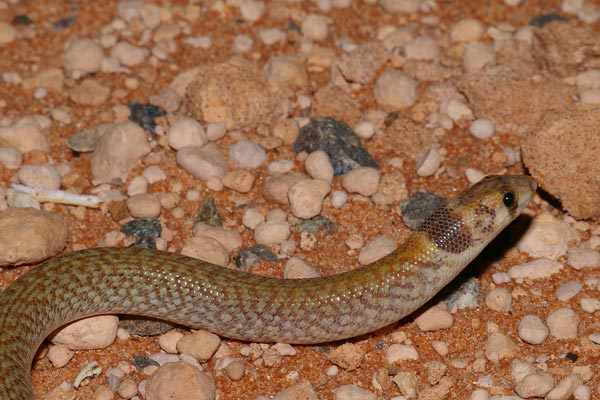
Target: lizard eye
x=509 y=200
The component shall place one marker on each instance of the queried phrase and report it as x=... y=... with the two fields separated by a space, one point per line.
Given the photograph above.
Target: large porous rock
x=562 y=154
x=509 y=96
x=234 y=92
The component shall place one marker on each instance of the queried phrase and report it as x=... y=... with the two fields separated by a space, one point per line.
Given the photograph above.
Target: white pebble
x=536 y=269
x=362 y=180
x=242 y=44
x=477 y=55
x=533 y=330
x=168 y=341
x=144 y=205
x=128 y=54
x=271 y=232
x=422 y=48
x=59 y=355
x=365 y=129
x=563 y=323
x=247 y=154
x=401 y=352
x=200 y=344
x=482 y=128
x=154 y=174
x=352 y=392
x=474 y=175
x=590 y=305
x=82 y=56
x=499 y=299
x=252 y=217
x=567 y=291
x=429 y=163
x=137 y=185
x=458 y=110
x=186 y=132
x=42 y=176
x=434 y=319
x=467 y=30
x=207 y=249
x=10 y=157
x=547 y=237
x=318 y=166
x=297 y=268
x=89 y=333
x=205 y=163
x=535 y=385
x=315 y=27
x=306 y=197
x=396 y=90
x=252 y=10
x=578 y=258
x=338 y=198
x=377 y=248
x=280 y=167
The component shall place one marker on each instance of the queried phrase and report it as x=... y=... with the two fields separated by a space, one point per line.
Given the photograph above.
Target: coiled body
x=248 y=307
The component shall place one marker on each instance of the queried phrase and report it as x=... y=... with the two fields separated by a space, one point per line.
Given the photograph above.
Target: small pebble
x=247 y=154
x=474 y=175
x=498 y=346
x=318 y=166
x=168 y=341
x=395 y=90
x=144 y=205
x=401 y=352
x=338 y=198
x=235 y=370
x=186 y=132
x=535 y=385
x=59 y=355
x=365 y=129
x=10 y=157
x=499 y=299
x=40 y=176
x=207 y=249
x=137 y=185
x=252 y=10
x=82 y=56
x=533 y=330
x=482 y=128
x=362 y=180
x=200 y=344
x=578 y=258
x=127 y=389
x=271 y=232
x=297 y=268
x=429 y=163
x=467 y=30
x=348 y=356
x=377 y=248
x=434 y=319
x=314 y=26
x=590 y=305
x=306 y=197
x=477 y=55
x=563 y=323
x=180 y=380
x=239 y=180
x=567 y=291
x=536 y=269
x=352 y=392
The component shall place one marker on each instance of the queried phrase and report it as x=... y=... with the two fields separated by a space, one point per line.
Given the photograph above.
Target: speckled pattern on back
x=237 y=305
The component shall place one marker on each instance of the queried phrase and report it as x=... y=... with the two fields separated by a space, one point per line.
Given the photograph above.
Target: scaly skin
x=241 y=306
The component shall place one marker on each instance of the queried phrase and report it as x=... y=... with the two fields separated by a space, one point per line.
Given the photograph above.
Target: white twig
x=60 y=196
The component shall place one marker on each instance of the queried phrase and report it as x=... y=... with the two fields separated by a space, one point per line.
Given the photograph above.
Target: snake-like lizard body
x=242 y=306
